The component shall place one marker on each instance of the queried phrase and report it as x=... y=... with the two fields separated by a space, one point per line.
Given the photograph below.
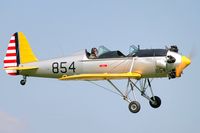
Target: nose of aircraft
x=185 y=61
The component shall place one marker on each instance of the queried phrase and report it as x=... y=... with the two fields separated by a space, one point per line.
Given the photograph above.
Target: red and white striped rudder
x=11 y=58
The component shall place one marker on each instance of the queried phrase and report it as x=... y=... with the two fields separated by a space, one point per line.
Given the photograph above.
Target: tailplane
x=18 y=52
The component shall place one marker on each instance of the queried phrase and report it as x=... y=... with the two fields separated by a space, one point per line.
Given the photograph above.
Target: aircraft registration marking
x=61 y=67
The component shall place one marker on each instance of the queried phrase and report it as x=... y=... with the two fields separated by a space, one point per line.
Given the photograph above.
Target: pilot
x=94 y=53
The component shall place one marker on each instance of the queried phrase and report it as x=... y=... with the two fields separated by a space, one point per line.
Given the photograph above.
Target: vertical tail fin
x=18 y=52
x=25 y=51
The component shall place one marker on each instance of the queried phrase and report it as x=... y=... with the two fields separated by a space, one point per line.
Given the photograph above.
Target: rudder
x=12 y=55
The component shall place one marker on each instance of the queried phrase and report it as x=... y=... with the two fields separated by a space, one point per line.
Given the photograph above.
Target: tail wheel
x=23 y=82
x=156 y=102
x=134 y=107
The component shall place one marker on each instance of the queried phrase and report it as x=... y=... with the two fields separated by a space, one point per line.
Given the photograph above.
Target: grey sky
x=61 y=27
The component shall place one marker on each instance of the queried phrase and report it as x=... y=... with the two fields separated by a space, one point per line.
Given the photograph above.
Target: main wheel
x=22 y=82
x=156 y=102
x=134 y=106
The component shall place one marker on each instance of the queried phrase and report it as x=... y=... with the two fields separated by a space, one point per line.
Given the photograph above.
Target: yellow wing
x=103 y=76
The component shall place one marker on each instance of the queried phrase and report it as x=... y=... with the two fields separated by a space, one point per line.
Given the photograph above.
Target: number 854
x=62 y=67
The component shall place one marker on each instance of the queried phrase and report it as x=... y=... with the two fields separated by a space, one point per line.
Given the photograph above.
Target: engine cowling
x=161 y=64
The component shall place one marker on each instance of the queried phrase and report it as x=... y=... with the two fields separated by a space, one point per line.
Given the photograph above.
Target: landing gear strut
x=23 y=81
x=142 y=85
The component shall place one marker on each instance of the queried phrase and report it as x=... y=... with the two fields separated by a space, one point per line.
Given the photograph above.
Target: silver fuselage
x=148 y=67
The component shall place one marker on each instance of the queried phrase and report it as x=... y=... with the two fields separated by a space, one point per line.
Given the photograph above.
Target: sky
x=62 y=27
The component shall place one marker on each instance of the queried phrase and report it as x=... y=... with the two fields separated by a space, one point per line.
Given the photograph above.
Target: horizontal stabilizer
x=103 y=76
x=21 y=68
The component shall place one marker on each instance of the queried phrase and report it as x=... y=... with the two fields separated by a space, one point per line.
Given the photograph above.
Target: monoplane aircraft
x=138 y=67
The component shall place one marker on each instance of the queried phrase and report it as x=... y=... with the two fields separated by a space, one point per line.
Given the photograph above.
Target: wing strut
x=117 y=89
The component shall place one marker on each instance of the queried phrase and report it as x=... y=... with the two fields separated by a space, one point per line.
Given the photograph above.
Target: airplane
x=139 y=67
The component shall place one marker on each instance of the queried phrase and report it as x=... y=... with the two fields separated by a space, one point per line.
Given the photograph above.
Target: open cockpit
x=103 y=52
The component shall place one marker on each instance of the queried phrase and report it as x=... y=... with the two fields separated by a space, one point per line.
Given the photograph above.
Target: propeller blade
x=193 y=52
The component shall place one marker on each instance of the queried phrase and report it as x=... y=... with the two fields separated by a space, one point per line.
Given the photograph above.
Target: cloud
x=10 y=124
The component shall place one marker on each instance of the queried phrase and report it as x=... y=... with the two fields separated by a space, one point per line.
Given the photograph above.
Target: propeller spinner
x=185 y=61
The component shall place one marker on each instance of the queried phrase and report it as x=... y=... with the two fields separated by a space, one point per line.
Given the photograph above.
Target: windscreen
x=102 y=50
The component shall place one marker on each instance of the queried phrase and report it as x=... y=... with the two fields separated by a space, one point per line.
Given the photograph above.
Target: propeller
x=193 y=52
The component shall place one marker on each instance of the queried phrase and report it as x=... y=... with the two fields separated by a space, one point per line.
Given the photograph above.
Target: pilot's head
x=94 y=51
